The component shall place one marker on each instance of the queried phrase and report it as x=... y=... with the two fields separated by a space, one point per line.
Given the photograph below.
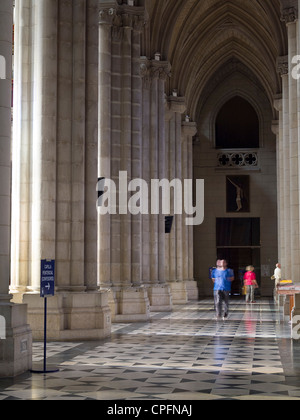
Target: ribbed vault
x=200 y=38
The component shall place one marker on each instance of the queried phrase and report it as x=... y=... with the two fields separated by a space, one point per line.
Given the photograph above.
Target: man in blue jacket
x=222 y=278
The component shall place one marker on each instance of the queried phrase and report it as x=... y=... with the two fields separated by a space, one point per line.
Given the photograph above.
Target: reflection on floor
x=183 y=355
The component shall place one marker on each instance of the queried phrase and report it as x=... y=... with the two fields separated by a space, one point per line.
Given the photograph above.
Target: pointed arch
x=237 y=125
x=199 y=37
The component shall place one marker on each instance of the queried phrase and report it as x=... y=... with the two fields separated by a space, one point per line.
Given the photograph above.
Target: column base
x=70 y=316
x=179 y=292
x=15 y=340
x=129 y=305
x=192 y=290
x=160 y=298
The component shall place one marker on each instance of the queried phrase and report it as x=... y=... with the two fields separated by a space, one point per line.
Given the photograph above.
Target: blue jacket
x=222 y=279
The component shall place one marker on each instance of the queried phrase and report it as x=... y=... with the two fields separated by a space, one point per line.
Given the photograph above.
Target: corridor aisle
x=183 y=355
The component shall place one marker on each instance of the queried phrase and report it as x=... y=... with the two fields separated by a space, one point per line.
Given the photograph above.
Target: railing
x=238 y=159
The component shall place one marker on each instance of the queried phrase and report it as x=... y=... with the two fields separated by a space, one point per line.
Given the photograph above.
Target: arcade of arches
x=161 y=89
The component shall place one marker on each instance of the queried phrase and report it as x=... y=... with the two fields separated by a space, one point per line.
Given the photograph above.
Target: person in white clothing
x=277 y=278
x=277 y=274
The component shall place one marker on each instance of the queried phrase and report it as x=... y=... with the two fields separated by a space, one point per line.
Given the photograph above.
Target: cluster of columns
x=55 y=167
x=119 y=235
x=144 y=136
x=288 y=132
x=87 y=105
x=179 y=165
x=288 y=152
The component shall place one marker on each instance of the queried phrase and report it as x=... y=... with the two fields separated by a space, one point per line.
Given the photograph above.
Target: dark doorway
x=237 y=125
x=238 y=259
x=238 y=242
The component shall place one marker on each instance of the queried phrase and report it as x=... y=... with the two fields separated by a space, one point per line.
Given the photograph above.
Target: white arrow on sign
x=48 y=286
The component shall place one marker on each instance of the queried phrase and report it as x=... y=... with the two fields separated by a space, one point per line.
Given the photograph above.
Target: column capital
x=109 y=16
x=289 y=11
x=283 y=65
x=160 y=70
x=278 y=102
x=154 y=69
x=188 y=129
x=177 y=104
x=123 y=16
x=133 y=17
x=275 y=127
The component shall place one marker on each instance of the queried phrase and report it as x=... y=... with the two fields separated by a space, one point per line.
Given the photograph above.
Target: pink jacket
x=249 y=278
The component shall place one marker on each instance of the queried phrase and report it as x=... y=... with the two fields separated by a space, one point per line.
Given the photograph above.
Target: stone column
x=136 y=144
x=188 y=131
x=44 y=113
x=34 y=146
x=283 y=176
x=56 y=168
x=285 y=172
x=291 y=20
x=146 y=112
x=155 y=73
x=278 y=131
x=77 y=263
x=91 y=145
x=175 y=246
x=16 y=339
x=70 y=144
x=120 y=154
x=104 y=146
x=21 y=180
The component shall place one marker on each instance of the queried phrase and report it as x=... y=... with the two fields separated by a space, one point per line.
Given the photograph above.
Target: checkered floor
x=183 y=355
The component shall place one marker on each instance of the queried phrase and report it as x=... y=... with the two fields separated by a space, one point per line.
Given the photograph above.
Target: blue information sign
x=47 y=278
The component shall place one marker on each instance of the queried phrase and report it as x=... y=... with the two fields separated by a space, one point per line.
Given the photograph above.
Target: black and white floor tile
x=183 y=355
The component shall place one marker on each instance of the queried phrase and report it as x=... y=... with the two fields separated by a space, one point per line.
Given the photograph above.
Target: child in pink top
x=250 y=283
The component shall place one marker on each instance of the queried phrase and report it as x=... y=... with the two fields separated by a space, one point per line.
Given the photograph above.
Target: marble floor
x=178 y=356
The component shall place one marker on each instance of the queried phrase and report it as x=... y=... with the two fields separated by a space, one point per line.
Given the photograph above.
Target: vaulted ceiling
x=202 y=39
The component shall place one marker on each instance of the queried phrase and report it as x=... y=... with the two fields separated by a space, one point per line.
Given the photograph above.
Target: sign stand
x=47 y=289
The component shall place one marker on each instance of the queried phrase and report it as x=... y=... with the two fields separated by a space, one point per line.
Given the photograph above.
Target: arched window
x=237 y=125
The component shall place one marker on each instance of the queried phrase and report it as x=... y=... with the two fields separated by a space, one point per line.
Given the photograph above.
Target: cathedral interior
x=187 y=114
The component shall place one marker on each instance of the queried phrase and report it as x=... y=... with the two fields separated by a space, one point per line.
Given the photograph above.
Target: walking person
x=222 y=278
x=277 y=275
x=250 y=284
x=277 y=278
